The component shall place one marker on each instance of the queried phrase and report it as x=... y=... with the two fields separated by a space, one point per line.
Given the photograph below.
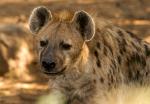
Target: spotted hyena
x=85 y=56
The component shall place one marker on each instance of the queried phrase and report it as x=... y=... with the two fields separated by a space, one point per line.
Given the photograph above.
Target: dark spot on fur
x=121 y=44
x=102 y=80
x=121 y=52
x=147 y=73
x=97 y=59
x=96 y=54
x=130 y=75
x=134 y=75
x=105 y=51
x=111 y=66
x=98 y=63
x=137 y=75
x=98 y=45
x=135 y=46
x=124 y=41
x=120 y=33
x=112 y=79
x=109 y=83
x=133 y=36
x=94 y=71
x=138 y=58
x=68 y=88
x=147 y=50
x=119 y=59
x=94 y=81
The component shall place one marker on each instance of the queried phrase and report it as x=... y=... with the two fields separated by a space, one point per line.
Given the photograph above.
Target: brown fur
x=94 y=64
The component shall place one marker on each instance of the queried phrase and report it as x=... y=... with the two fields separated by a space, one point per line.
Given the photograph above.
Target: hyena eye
x=43 y=43
x=65 y=46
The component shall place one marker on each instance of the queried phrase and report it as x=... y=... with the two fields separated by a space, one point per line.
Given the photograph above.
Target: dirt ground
x=133 y=15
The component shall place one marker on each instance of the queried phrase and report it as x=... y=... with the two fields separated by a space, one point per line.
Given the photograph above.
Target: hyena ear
x=38 y=18
x=84 y=24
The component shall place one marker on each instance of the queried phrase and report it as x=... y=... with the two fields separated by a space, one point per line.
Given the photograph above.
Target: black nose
x=48 y=66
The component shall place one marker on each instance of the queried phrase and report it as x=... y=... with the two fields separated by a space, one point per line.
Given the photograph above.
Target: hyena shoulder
x=121 y=52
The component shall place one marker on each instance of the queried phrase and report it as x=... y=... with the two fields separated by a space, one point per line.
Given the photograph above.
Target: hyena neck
x=119 y=57
x=84 y=63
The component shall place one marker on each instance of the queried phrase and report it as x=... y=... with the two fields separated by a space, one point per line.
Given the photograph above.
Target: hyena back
x=85 y=56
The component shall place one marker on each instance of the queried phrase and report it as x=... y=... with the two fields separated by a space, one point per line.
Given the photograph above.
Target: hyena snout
x=48 y=65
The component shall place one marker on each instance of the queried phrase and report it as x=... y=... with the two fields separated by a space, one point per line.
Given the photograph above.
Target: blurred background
x=20 y=79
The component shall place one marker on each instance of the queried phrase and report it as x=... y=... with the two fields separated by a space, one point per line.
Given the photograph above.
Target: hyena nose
x=48 y=66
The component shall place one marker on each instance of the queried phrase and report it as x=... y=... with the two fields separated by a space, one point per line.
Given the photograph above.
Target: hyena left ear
x=84 y=24
x=38 y=18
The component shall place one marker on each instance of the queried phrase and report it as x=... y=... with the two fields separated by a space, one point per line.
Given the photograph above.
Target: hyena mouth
x=56 y=73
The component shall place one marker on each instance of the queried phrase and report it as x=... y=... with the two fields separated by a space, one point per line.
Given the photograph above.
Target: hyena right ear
x=38 y=18
x=84 y=24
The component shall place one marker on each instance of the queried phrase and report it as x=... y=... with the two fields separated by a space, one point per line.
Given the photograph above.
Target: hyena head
x=60 y=40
